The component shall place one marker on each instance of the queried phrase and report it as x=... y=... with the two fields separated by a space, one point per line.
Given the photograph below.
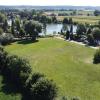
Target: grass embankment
x=68 y=64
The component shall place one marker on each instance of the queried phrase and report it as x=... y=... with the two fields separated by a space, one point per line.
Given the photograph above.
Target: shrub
x=6 y=38
x=43 y=90
x=18 y=70
x=96 y=59
x=3 y=59
x=96 y=33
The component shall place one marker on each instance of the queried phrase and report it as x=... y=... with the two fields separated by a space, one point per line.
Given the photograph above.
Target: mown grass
x=68 y=64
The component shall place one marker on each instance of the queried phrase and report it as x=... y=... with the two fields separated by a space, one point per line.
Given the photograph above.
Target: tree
x=70 y=21
x=65 y=21
x=96 y=12
x=3 y=59
x=96 y=33
x=90 y=39
x=81 y=29
x=13 y=27
x=43 y=90
x=44 y=28
x=17 y=23
x=89 y=30
x=5 y=25
x=67 y=35
x=32 y=28
x=2 y=18
x=22 y=32
x=6 y=38
x=54 y=19
x=96 y=59
x=43 y=19
x=18 y=70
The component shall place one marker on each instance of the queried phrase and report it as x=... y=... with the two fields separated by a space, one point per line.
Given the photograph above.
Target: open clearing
x=68 y=64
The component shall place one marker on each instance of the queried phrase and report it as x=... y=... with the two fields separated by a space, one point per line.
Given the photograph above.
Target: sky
x=51 y=2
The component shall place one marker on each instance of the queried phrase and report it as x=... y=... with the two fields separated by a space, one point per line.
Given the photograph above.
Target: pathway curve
x=80 y=43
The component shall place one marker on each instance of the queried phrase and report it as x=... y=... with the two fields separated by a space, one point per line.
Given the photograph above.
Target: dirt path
x=80 y=43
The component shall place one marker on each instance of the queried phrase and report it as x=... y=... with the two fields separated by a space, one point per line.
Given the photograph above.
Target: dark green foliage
x=43 y=90
x=70 y=21
x=17 y=23
x=65 y=21
x=22 y=32
x=19 y=70
x=5 y=25
x=67 y=35
x=13 y=27
x=89 y=31
x=33 y=79
x=71 y=28
x=96 y=33
x=3 y=59
x=96 y=59
x=81 y=29
x=6 y=38
x=96 y=12
x=54 y=19
x=32 y=29
x=90 y=39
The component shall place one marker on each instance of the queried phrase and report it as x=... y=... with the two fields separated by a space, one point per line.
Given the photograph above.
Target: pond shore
x=80 y=43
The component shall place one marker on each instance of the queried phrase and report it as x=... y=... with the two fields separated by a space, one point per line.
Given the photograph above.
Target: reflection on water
x=55 y=28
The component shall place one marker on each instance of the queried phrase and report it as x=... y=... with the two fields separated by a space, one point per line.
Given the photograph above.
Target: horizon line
x=53 y=5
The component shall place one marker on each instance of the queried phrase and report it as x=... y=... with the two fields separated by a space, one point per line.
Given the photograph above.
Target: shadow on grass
x=27 y=41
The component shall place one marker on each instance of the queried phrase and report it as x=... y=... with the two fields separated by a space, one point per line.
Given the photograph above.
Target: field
x=82 y=19
x=78 y=12
x=68 y=64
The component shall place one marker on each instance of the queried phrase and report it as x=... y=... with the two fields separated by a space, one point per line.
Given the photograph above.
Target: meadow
x=82 y=19
x=68 y=64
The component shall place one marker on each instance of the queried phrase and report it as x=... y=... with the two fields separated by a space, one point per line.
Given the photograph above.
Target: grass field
x=82 y=12
x=68 y=64
x=82 y=19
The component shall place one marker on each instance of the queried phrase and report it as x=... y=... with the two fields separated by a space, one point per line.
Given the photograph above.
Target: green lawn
x=68 y=64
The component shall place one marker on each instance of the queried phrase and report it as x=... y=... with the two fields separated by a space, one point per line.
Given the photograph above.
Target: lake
x=52 y=28
x=55 y=28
